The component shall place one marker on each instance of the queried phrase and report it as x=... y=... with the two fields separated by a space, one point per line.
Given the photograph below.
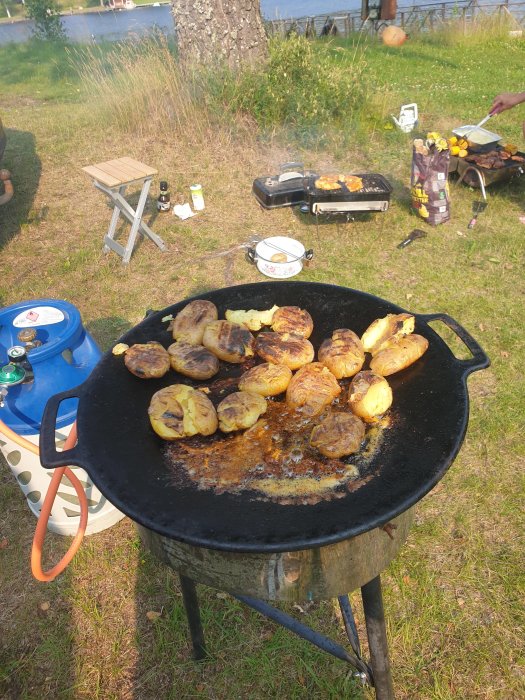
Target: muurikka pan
x=124 y=457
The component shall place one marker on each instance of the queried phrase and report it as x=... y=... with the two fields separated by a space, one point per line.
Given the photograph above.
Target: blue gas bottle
x=61 y=354
x=58 y=355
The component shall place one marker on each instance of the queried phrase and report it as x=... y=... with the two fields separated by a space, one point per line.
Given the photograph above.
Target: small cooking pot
x=279 y=256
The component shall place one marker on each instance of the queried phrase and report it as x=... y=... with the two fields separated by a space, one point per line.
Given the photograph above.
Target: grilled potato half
x=178 y=411
x=338 y=435
x=287 y=349
x=147 y=360
x=193 y=361
x=228 y=341
x=369 y=396
x=266 y=379
x=292 y=319
x=312 y=388
x=382 y=330
x=190 y=322
x=399 y=354
x=240 y=410
x=343 y=353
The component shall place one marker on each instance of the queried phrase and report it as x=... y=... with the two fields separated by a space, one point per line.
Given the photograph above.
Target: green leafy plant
x=46 y=16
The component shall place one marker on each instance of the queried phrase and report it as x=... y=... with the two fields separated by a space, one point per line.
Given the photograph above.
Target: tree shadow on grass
x=21 y=159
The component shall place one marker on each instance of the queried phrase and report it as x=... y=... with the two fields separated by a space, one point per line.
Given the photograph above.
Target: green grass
x=453 y=596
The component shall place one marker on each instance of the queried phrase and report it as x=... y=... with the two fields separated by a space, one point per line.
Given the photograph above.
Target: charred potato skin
x=266 y=379
x=312 y=388
x=343 y=353
x=147 y=360
x=293 y=319
x=287 y=349
x=193 y=361
x=369 y=396
x=190 y=322
x=385 y=329
x=399 y=354
x=178 y=411
x=231 y=342
x=338 y=435
x=240 y=410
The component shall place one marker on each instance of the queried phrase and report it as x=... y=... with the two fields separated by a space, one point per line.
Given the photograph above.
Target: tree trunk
x=211 y=32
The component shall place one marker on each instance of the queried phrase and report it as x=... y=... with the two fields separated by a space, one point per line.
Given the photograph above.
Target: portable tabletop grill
x=295 y=187
x=472 y=171
x=373 y=196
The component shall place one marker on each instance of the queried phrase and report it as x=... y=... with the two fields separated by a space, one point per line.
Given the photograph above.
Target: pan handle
x=49 y=456
x=479 y=359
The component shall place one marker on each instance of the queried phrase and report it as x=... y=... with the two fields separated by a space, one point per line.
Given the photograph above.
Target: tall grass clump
x=481 y=29
x=139 y=86
x=302 y=85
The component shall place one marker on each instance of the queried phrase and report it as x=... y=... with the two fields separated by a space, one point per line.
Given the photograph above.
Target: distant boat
x=121 y=5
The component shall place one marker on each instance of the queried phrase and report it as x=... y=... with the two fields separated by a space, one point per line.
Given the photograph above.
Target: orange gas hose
x=41 y=527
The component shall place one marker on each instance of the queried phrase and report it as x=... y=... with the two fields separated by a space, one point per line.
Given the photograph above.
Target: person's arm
x=507 y=100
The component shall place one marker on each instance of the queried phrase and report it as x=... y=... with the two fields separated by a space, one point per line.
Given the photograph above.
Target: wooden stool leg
x=114 y=219
x=136 y=221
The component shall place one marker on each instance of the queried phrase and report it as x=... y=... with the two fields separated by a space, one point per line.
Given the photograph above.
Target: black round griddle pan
x=124 y=457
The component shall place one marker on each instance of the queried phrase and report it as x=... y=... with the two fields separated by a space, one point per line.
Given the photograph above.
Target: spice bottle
x=163 y=202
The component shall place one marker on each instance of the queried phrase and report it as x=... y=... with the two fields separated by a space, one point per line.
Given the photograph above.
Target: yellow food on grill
x=352 y=182
x=343 y=353
x=252 y=319
x=230 y=342
x=193 y=361
x=327 y=182
x=240 y=410
x=312 y=388
x=382 y=330
x=292 y=319
x=398 y=354
x=369 y=396
x=147 y=360
x=266 y=379
x=287 y=349
x=338 y=435
x=190 y=322
x=179 y=411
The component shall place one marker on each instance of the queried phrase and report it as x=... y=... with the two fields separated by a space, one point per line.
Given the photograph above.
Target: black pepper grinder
x=163 y=202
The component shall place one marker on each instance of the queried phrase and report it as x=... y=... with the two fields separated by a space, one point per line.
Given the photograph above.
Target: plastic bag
x=429 y=183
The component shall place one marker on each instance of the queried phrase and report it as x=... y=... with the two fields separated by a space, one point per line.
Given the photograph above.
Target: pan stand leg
x=377 y=641
x=191 y=606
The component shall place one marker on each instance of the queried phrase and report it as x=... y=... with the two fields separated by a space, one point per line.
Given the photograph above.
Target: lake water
x=111 y=26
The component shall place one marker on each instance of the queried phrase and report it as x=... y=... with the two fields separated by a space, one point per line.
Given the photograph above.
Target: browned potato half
x=292 y=319
x=240 y=410
x=252 y=319
x=343 y=353
x=266 y=379
x=178 y=411
x=147 y=360
x=369 y=396
x=399 y=354
x=287 y=349
x=193 y=361
x=190 y=322
x=338 y=435
x=230 y=342
x=382 y=330
x=312 y=388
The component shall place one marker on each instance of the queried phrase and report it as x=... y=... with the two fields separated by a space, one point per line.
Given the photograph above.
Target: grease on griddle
x=273 y=459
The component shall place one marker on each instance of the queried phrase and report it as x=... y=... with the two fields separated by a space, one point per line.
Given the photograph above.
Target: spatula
x=416 y=233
